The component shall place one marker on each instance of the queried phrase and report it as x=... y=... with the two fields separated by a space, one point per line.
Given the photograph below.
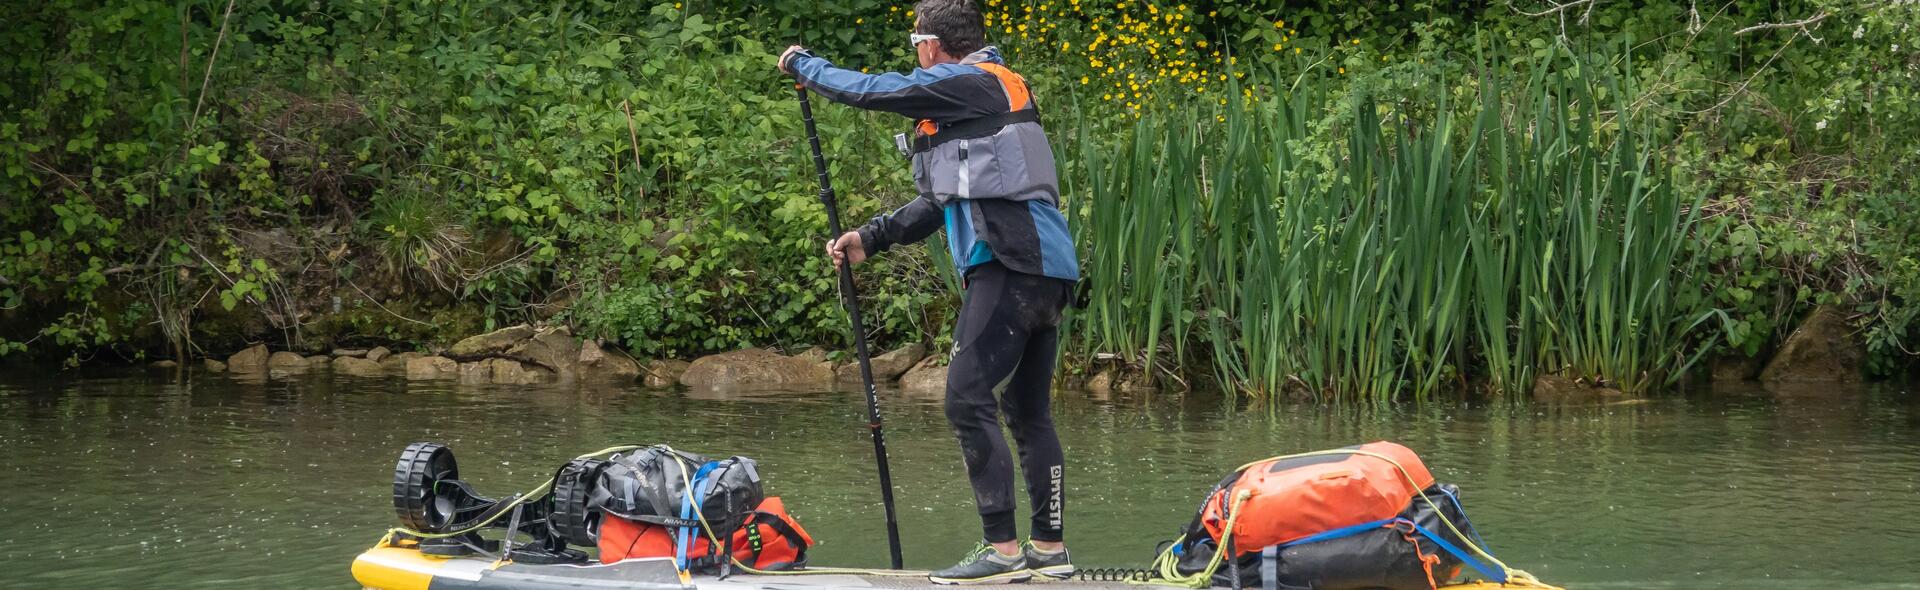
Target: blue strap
x=1270 y=568
x=685 y=537
x=1485 y=570
x=1339 y=532
x=1458 y=509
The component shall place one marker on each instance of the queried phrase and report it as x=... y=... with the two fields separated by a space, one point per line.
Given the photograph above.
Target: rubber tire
x=421 y=467
x=573 y=486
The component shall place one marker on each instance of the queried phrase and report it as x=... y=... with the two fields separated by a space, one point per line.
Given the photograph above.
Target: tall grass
x=1484 y=243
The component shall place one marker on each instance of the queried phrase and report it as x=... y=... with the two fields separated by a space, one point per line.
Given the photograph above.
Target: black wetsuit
x=1004 y=347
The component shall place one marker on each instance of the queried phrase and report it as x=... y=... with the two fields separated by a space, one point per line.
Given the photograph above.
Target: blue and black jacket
x=990 y=180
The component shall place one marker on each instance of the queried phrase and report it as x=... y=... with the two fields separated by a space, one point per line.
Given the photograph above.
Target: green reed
x=1489 y=242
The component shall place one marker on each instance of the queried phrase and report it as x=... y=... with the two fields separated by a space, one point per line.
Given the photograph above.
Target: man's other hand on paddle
x=848 y=247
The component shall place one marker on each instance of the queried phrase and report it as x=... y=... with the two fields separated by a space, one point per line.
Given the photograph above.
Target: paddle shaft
x=851 y=298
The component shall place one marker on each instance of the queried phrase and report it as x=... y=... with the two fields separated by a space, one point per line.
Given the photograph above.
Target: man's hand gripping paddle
x=851 y=298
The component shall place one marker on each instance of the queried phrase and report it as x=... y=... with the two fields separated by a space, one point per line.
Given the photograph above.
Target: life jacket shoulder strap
x=974 y=128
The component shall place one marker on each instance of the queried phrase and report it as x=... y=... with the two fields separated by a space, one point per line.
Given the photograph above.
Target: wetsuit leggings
x=1004 y=345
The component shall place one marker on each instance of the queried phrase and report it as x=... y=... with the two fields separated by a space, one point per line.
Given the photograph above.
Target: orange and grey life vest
x=982 y=165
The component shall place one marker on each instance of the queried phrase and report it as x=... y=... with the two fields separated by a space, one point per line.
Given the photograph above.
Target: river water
x=149 y=480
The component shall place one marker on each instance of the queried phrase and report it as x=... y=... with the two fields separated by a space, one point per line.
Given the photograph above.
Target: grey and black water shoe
x=983 y=565
x=1052 y=565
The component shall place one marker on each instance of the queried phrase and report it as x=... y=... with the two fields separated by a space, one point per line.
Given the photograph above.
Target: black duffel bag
x=650 y=486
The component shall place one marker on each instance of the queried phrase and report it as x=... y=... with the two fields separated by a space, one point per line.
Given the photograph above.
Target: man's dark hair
x=956 y=22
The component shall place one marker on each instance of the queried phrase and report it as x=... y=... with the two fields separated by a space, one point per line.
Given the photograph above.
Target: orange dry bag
x=1291 y=499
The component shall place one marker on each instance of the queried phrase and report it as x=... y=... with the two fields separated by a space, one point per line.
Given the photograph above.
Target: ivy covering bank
x=1359 y=198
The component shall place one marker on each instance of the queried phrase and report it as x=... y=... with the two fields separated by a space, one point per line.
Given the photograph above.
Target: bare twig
x=1799 y=24
x=68 y=179
x=207 y=79
x=633 y=135
x=1557 y=7
x=185 y=44
x=1742 y=88
x=376 y=303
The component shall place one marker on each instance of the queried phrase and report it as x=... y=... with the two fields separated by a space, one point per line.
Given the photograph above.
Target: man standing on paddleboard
x=984 y=170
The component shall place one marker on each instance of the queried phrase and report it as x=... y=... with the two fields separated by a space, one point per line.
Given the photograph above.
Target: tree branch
x=1557 y=7
x=208 y=78
x=1799 y=24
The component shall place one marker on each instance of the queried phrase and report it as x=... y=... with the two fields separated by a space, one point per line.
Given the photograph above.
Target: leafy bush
x=180 y=177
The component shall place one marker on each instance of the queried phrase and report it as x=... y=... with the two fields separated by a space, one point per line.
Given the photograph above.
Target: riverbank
x=1820 y=351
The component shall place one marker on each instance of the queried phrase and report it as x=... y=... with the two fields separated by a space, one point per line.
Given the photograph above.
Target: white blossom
x=1821 y=126
x=1859 y=31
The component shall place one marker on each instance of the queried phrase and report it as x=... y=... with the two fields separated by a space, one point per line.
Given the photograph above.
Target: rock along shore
x=525 y=354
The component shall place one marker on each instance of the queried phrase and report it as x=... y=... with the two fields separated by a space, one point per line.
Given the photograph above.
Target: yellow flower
x=1083 y=80
x=1343 y=70
x=1276 y=47
x=893 y=9
x=859 y=21
x=1296 y=51
x=676 y=6
x=1356 y=41
x=1107 y=96
x=1200 y=44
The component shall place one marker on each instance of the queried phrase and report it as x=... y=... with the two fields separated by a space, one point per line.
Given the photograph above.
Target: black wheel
x=577 y=522
x=416 y=477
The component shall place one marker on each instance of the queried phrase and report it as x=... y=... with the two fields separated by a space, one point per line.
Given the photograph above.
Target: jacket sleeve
x=910 y=223
x=944 y=92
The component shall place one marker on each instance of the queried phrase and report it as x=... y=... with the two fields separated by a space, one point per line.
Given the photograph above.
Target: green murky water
x=141 y=480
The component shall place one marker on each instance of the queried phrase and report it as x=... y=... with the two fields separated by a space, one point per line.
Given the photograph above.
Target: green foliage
x=635 y=170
